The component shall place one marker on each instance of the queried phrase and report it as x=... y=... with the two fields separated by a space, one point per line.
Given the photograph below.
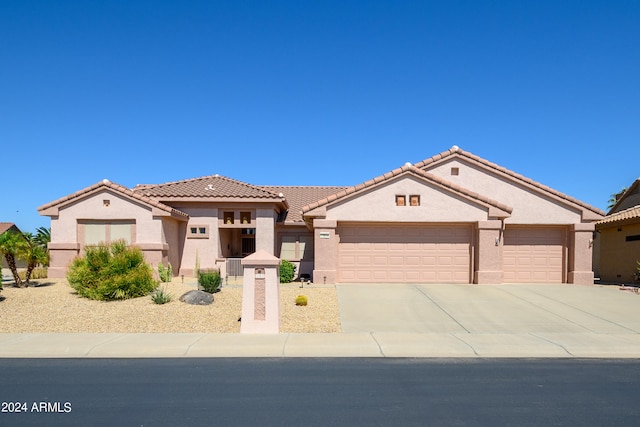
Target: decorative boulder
x=197 y=297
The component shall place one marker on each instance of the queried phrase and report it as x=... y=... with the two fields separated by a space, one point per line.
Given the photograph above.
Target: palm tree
x=12 y=245
x=43 y=238
x=34 y=253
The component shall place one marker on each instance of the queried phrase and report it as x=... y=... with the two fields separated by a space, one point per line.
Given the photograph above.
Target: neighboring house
x=618 y=236
x=453 y=218
x=9 y=226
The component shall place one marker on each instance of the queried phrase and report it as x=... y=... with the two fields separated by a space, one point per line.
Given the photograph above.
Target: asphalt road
x=319 y=392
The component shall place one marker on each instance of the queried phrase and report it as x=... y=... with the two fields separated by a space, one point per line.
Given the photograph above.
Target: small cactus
x=301 y=300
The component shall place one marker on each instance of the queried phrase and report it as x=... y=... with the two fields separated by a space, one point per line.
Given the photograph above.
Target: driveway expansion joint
x=377 y=343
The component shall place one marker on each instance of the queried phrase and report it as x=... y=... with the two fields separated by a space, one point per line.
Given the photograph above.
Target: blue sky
x=313 y=92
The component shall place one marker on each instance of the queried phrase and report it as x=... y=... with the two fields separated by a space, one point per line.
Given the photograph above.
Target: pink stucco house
x=452 y=218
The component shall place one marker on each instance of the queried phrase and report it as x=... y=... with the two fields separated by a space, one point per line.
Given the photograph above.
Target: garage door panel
x=404 y=253
x=533 y=254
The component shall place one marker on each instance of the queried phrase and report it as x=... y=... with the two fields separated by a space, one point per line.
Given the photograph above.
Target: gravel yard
x=53 y=306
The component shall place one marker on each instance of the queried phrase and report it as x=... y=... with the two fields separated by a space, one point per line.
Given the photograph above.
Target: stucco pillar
x=580 y=254
x=265 y=230
x=325 y=251
x=488 y=256
x=260 y=294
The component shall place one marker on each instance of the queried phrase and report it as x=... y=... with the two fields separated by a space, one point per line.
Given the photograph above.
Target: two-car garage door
x=442 y=254
x=404 y=253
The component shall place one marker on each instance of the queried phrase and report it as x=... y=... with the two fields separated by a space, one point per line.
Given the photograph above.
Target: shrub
x=210 y=281
x=165 y=274
x=287 y=271
x=110 y=272
x=301 y=300
x=160 y=296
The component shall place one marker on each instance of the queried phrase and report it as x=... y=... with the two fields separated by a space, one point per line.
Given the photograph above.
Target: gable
x=6 y=226
x=122 y=193
x=532 y=202
x=629 y=199
x=435 y=204
x=105 y=204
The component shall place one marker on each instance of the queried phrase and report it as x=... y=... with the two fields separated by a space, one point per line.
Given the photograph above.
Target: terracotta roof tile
x=207 y=187
x=627 y=214
x=453 y=151
x=299 y=196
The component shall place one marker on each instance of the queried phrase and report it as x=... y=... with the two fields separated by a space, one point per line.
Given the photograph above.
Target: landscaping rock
x=197 y=297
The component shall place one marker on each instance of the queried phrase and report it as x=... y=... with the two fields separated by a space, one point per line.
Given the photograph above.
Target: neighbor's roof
x=625 y=215
x=299 y=196
x=5 y=226
x=503 y=209
x=629 y=198
x=78 y=195
x=206 y=187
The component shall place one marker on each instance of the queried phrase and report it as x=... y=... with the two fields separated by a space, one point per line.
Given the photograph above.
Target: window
x=198 y=232
x=455 y=171
x=94 y=232
x=401 y=201
x=633 y=238
x=414 y=200
x=296 y=248
x=288 y=247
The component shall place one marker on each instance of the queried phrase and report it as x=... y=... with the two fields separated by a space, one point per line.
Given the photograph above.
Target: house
x=452 y=218
x=618 y=238
x=9 y=226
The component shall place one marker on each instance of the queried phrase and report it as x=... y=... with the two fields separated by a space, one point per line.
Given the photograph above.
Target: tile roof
x=413 y=170
x=456 y=151
x=206 y=187
x=118 y=188
x=627 y=214
x=628 y=197
x=4 y=226
x=299 y=196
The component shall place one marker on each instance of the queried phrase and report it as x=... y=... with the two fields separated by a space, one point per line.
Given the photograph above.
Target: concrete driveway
x=488 y=309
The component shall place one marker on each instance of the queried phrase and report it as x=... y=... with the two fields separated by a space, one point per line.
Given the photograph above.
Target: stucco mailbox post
x=260 y=294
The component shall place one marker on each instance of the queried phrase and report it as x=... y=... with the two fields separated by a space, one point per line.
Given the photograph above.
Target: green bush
x=165 y=274
x=301 y=300
x=287 y=271
x=210 y=281
x=111 y=272
x=160 y=296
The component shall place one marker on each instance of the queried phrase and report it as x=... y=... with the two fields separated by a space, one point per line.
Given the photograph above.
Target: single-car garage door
x=533 y=255
x=404 y=253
